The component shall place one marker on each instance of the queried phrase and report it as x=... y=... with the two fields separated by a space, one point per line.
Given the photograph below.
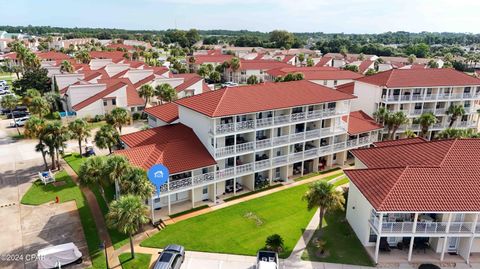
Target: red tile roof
x=189 y=80
x=201 y=59
x=261 y=97
x=167 y=112
x=429 y=77
x=359 y=122
x=435 y=176
x=316 y=73
x=108 y=90
x=117 y=55
x=364 y=66
x=176 y=146
x=52 y=56
x=147 y=79
x=398 y=142
x=261 y=64
x=346 y=88
x=323 y=61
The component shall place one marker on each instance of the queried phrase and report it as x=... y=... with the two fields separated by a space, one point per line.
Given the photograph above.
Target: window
x=205 y=190
x=332 y=105
x=132 y=109
x=105 y=103
x=335 y=83
x=325 y=82
x=114 y=101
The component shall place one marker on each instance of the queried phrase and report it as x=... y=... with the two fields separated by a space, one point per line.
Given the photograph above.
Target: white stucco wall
x=200 y=124
x=65 y=80
x=331 y=82
x=358 y=214
x=78 y=93
x=135 y=75
x=368 y=97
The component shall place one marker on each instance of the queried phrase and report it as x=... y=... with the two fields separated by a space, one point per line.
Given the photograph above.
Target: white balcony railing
x=423 y=227
x=277 y=120
x=244 y=147
x=430 y=97
x=265 y=143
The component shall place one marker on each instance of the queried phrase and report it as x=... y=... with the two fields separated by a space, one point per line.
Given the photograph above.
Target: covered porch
x=400 y=256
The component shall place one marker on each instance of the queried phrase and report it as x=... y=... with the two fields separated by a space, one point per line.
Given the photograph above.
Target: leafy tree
x=33 y=79
x=215 y=76
x=426 y=120
x=33 y=129
x=310 y=62
x=281 y=39
x=370 y=72
x=301 y=58
x=10 y=102
x=127 y=215
x=82 y=56
x=39 y=106
x=451 y=133
x=79 y=130
x=252 y=80
x=203 y=71
x=166 y=92
x=106 y=137
x=455 y=111
x=412 y=58
x=292 y=77
x=432 y=64
x=323 y=195
x=274 y=242
x=146 y=92
x=410 y=134
x=381 y=115
x=29 y=95
x=118 y=117
x=53 y=98
x=353 y=68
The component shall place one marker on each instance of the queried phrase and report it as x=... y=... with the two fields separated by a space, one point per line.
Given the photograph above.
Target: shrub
x=98 y=118
x=274 y=242
x=56 y=115
x=136 y=116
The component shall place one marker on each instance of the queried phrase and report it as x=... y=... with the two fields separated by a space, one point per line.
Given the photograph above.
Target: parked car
x=19 y=122
x=18 y=114
x=3 y=83
x=229 y=84
x=428 y=266
x=58 y=256
x=171 y=257
x=267 y=260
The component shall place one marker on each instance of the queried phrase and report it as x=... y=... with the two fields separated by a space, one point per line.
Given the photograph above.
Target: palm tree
x=234 y=64
x=450 y=133
x=53 y=98
x=33 y=129
x=166 y=92
x=274 y=242
x=106 y=137
x=39 y=106
x=54 y=136
x=146 y=92
x=381 y=114
x=10 y=102
x=134 y=181
x=426 y=120
x=455 y=111
x=118 y=117
x=66 y=66
x=80 y=130
x=410 y=134
x=411 y=58
x=215 y=76
x=393 y=122
x=92 y=171
x=126 y=215
x=301 y=58
x=323 y=195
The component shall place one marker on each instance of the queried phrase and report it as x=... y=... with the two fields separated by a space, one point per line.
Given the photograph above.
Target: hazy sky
x=349 y=16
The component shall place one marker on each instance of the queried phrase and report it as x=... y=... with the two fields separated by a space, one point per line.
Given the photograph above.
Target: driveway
x=25 y=229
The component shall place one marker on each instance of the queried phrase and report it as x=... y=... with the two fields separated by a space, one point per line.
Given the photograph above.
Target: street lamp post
x=104 y=247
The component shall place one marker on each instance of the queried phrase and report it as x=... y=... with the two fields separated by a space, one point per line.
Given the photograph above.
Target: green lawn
x=228 y=230
x=342 y=244
x=118 y=239
x=95 y=125
x=314 y=174
x=39 y=194
x=141 y=261
x=341 y=182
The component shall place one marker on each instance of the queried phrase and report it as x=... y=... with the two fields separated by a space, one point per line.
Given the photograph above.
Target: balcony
x=245 y=125
x=280 y=160
x=438 y=126
x=244 y=147
x=265 y=143
x=423 y=228
x=263 y=164
x=430 y=97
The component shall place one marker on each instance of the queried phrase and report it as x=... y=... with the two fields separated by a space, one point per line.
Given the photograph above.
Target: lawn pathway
x=296 y=255
x=97 y=217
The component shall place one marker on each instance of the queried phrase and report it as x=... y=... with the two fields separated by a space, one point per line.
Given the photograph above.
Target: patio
x=397 y=256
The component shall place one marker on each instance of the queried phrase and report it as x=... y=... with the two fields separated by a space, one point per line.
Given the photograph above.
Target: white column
x=169 y=205
x=151 y=207
x=193 y=198
x=215 y=193
x=445 y=243
x=474 y=226
x=377 y=245
x=412 y=239
x=234 y=186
